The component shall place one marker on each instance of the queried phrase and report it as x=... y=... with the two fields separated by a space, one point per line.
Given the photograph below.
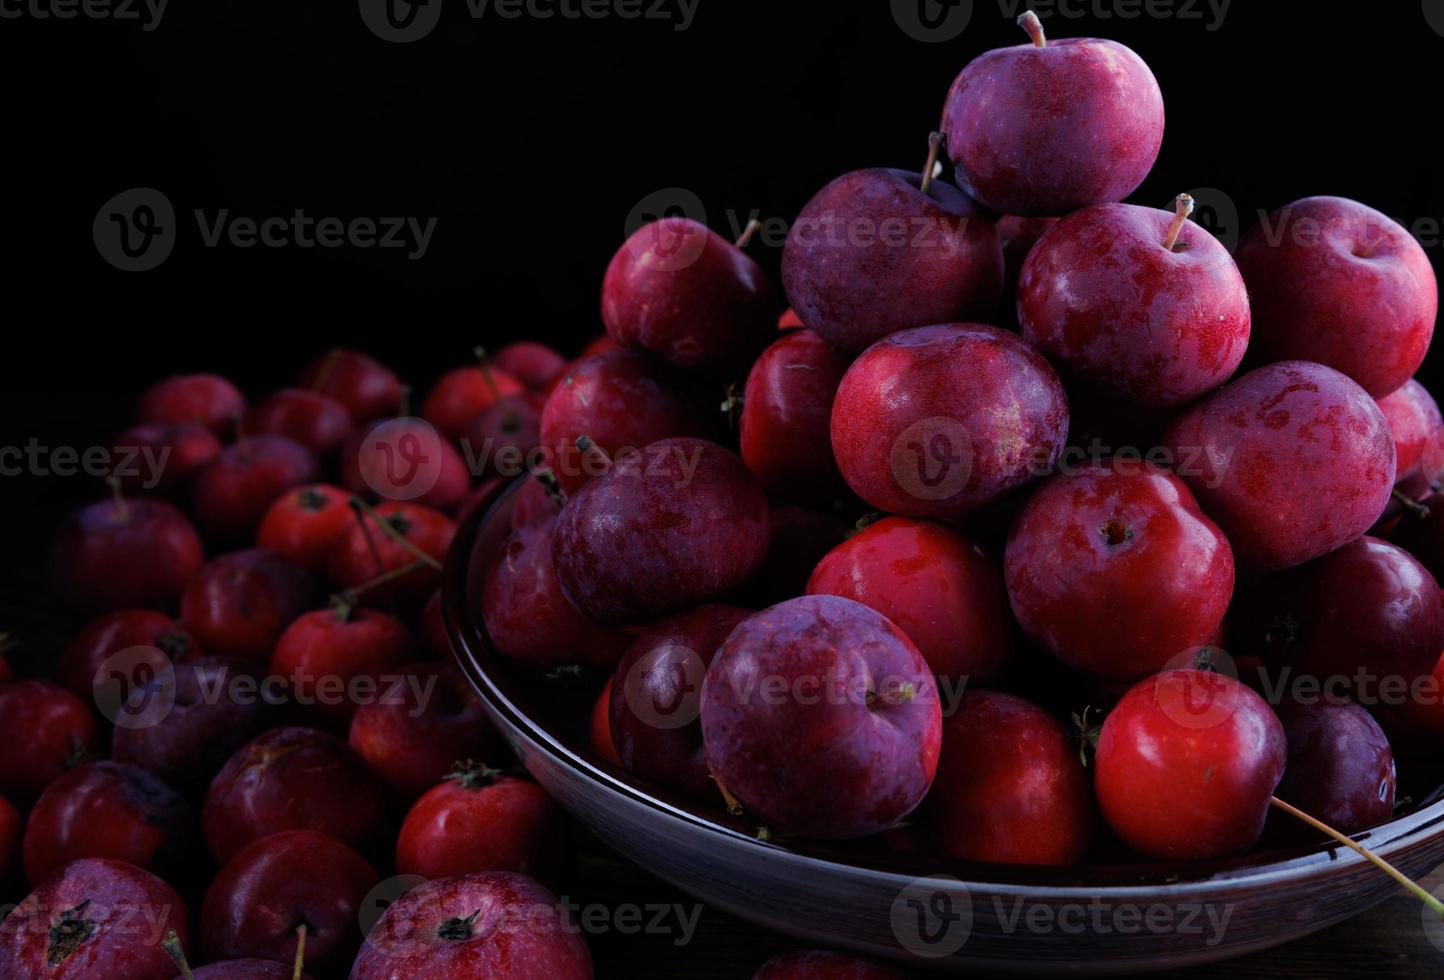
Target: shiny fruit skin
x=233 y=493
x=305 y=524
x=110 y=555
x=477 y=822
x=44 y=729
x=1340 y=768
x=367 y=388
x=787 y=417
x=241 y=603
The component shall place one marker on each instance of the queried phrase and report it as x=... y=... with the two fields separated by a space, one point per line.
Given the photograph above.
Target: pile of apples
x=947 y=556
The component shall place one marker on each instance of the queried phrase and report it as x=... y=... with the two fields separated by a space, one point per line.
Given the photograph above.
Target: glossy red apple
x=279 y=883
x=787 y=415
x=1053 y=126
x=1292 y=460
x=234 y=492
x=405 y=459
x=44 y=730
x=333 y=659
x=479 y=820
x=143 y=634
x=942 y=420
x=463 y=394
x=680 y=523
x=1115 y=570
x=96 y=918
x=1418 y=431
x=1137 y=302
x=688 y=295
x=318 y=422
x=422 y=723
x=621 y=401
x=878 y=251
x=162 y=458
x=106 y=810
x=834 y=676
x=656 y=701
x=304 y=524
x=240 y=603
x=535 y=365
x=291 y=779
x=364 y=385
x=1339 y=283
x=118 y=553
x=486 y=926
x=1186 y=766
x=1340 y=766
x=1011 y=787
x=205 y=398
x=935 y=584
x=368 y=551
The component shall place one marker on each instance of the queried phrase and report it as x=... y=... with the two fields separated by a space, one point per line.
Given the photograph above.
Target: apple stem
x=403 y=402
x=1409 y=884
x=585 y=445
x=1029 y=22
x=548 y=480
x=328 y=366
x=172 y=945
x=118 y=498
x=300 y=952
x=1411 y=505
x=1182 y=208
x=734 y=805
x=935 y=147
x=746 y=237
x=366 y=533
x=360 y=505
x=345 y=602
x=509 y=420
x=470 y=774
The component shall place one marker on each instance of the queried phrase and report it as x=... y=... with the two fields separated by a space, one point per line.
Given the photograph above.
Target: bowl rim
x=1404 y=833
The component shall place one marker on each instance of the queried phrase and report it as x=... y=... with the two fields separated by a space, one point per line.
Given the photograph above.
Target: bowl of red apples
x=1057 y=590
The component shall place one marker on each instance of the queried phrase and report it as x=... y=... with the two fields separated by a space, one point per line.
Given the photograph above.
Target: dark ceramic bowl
x=1097 y=919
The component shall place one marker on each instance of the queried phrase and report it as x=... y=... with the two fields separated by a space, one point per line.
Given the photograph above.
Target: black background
x=530 y=140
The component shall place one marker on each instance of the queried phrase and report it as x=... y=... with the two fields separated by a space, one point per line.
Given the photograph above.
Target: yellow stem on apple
x=935 y=147
x=744 y=239
x=1182 y=208
x=117 y=498
x=1029 y=22
x=509 y=420
x=734 y=805
x=172 y=945
x=300 y=952
x=1409 y=884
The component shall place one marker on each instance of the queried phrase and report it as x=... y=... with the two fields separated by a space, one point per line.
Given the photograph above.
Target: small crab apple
x=424 y=719
x=205 y=398
x=817 y=964
x=1336 y=282
x=535 y=365
x=680 y=290
x=331 y=657
x=385 y=540
x=1292 y=460
x=1115 y=570
x=215 y=708
x=787 y=415
x=504 y=438
x=106 y=810
x=1187 y=765
x=117 y=553
x=1052 y=126
x=935 y=584
x=1340 y=766
x=620 y=401
x=656 y=698
x=240 y=603
x=1363 y=616
x=1011 y=787
x=878 y=251
x=480 y=820
x=680 y=523
x=316 y=421
x=942 y=420
x=233 y=493
x=44 y=729
x=269 y=890
x=1140 y=303
x=291 y=779
x=405 y=459
x=143 y=634
x=486 y=926
x=162 y=458
x=464 y=393
x=1418 y=431
x=304 y=524
x=529 y=617
x=854 y=690
x=364 y=385
x=94 y=918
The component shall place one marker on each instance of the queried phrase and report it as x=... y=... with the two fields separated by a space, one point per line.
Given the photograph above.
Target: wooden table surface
x=1385 y=942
